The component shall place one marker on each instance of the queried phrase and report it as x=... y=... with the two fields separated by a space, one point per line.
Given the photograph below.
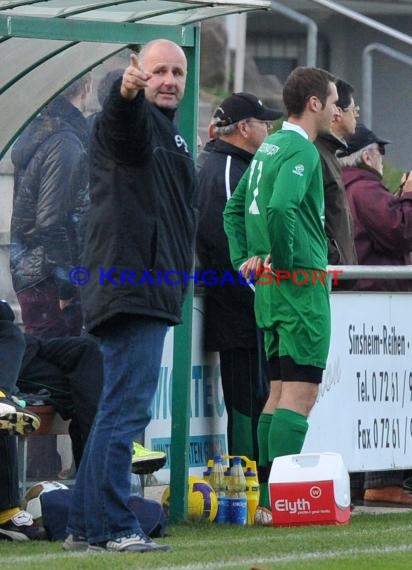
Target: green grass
x=369 y=542
x=391 y=177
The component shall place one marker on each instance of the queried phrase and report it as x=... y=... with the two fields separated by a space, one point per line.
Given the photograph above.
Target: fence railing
x=370 y=271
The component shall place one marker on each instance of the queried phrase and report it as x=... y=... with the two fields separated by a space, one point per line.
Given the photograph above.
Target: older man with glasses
x=239 y=125
x=382 y=221
x=338 y=219
x=383 y=236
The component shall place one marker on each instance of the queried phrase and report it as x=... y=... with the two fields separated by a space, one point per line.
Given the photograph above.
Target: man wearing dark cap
x=240 y=124
x=382 y=221
x=383 y=236
x=363 y=138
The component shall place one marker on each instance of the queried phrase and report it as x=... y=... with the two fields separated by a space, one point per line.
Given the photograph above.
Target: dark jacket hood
x=59 y=115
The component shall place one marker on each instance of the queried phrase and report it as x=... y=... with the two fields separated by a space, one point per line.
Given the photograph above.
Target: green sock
x=287 y=433
x=265 y=421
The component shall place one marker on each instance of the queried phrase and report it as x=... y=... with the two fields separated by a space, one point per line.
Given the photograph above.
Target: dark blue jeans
x=132 y=350
x=11 y=353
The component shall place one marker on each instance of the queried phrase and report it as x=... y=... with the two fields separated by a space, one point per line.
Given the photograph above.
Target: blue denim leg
x=132 y=353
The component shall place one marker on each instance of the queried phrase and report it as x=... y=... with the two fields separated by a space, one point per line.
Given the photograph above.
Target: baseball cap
x=239 y=106
x=361 y=138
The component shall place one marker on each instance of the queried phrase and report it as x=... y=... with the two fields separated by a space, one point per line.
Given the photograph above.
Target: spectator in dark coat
x=383 y=221
x=50 y=199
x=383 y=236
x=240 y=125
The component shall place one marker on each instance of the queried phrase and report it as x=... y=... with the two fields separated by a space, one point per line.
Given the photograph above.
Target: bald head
x=160 y=46
x=166 y=63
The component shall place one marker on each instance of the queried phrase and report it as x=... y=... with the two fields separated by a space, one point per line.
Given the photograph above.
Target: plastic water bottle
x=252 y=494
x=228 y=476
x=206 y=474
x=217 y=481
x=237 y=493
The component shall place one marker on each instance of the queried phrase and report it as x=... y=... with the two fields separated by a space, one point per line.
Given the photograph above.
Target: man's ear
x=366 y=159
x=242 y=128
x=314 y=104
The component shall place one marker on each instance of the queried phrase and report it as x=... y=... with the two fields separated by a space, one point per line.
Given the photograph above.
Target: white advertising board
x=364 y=407
x=208 y=418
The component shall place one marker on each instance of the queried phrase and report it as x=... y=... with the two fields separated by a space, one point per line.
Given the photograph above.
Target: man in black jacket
x=50 y=199
x=141 y=226
x=240 y=125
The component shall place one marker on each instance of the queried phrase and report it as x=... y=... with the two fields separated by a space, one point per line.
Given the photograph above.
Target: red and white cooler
x=309 y=488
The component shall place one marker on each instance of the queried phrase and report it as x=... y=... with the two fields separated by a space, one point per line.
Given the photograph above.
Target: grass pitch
x=370 y=541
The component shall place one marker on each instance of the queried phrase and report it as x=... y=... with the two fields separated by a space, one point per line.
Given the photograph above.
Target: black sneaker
x=130 y=543
x=21 y=527
x=15 y=419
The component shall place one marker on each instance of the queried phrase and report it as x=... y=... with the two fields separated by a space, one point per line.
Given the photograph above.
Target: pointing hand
x=134 y=79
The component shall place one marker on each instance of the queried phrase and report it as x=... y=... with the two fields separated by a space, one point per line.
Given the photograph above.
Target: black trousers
x=71 y=369
x=245 y=390
x=11 y=353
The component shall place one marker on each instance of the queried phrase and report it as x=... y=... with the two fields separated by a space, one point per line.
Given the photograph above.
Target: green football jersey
x=278 y=206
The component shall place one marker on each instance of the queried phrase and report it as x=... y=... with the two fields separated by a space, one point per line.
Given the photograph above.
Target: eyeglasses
x=355 y=109
x=268 y=124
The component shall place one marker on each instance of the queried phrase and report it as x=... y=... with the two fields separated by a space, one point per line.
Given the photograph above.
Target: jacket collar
x=332 y=142
x=223 y=147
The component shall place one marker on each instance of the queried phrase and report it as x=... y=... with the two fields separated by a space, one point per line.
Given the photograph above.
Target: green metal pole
x=182 y=349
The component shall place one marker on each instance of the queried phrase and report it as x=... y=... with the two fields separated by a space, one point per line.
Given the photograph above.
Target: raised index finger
x=134 y=61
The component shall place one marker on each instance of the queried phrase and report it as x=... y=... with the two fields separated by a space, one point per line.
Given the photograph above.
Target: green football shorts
x=297 y=316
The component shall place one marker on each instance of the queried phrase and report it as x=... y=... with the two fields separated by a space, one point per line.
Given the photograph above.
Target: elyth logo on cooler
x=300 y=505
